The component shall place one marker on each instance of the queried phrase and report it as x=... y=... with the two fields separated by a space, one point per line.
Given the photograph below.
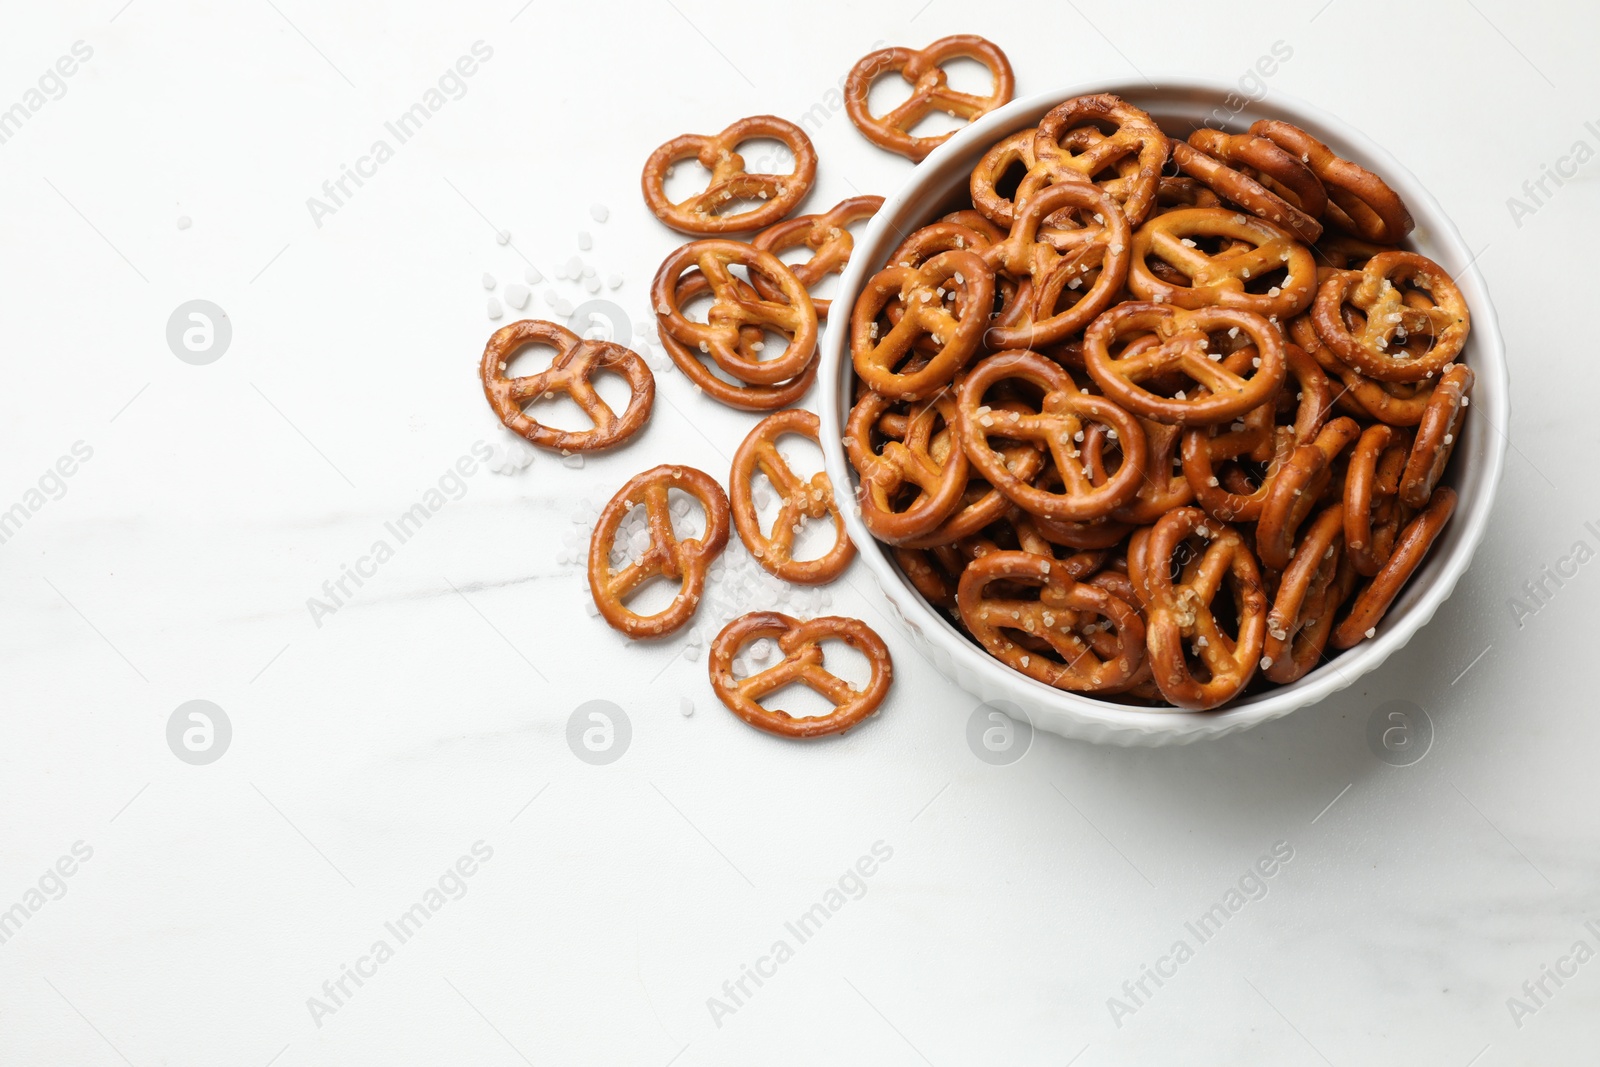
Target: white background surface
x=371 y=752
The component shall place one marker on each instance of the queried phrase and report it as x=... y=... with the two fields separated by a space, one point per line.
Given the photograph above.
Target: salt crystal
x=494 y=308
x=488 y=281
x=592 y=284
x=518 y=296
x=503 y=237
x=599 y=212
x=685 y=705
x=532 y=275
x=585 y=242
x=614 y=281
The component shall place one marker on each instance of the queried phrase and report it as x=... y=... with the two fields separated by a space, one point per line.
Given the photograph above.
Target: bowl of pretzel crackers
x=1158 y=427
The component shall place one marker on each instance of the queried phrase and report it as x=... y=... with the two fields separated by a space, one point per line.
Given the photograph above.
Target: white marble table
x=408 y=747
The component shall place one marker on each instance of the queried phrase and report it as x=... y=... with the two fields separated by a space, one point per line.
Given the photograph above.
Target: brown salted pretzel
x=1237 y=187
x=936 y=237
x=1297 y=488
x=1409 y=551
x=1405 y=335
x=1373 y=513
x=1098 y=251
x=572 y=372
x=736 y=306
x=827 y=236
x=1012 y=153
x=914 y=462
x=1182 y=344
x=667 y=556
x=981 y=503
x=1302 y=613
x=1233 y=500
x=1256 y=436
x=1436 y=435
x=1180 y=618
x=800 y=643
x=930 y=91
x=734 y=394
x=1285 y=175
x=1360 y=202
x=730 y=182
x=801 y=500
x=1057 y=621
x=1163 y=487
x=1062 y=414
x=955 y=331
x=1222 y=279
x=1396 y=403
x=1135 y=135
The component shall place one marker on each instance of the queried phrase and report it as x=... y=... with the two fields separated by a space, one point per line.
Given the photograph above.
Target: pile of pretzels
x=1157 y=420
x=1154 y=420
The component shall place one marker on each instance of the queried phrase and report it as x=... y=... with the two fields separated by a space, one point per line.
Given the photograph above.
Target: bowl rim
x=1102 y=720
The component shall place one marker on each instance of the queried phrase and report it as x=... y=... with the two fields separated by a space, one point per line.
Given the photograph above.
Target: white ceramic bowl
x=937 y=185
